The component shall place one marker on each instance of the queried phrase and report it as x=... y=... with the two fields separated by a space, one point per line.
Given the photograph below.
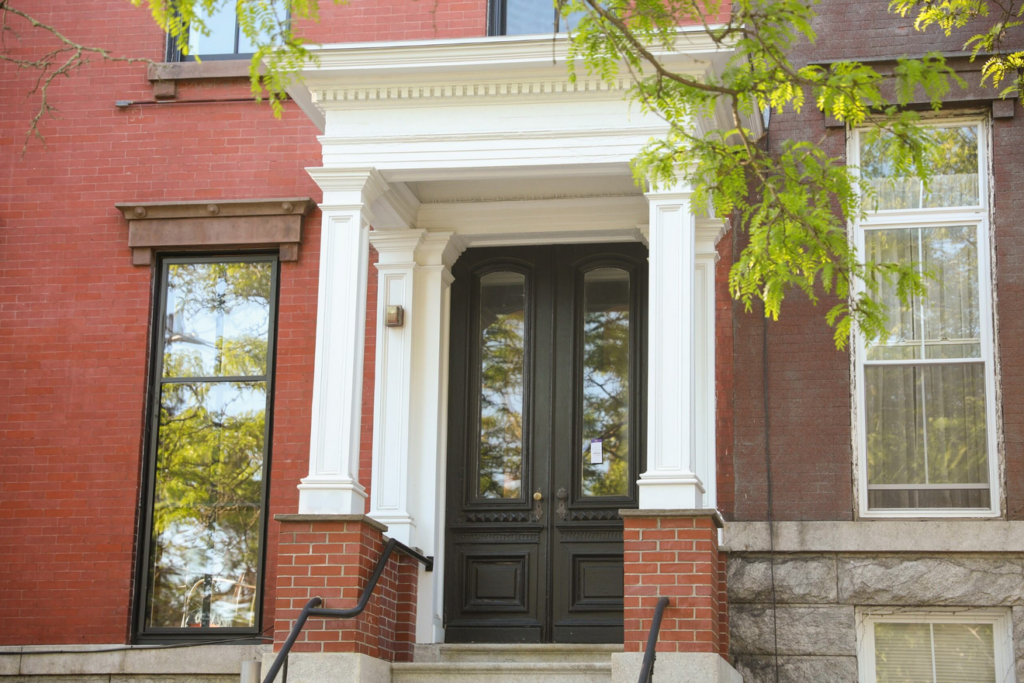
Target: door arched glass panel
x=502 y=347
x=605 y=383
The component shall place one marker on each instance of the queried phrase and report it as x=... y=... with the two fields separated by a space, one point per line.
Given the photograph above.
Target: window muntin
x=528 y=17
x=925 y=394
x=502 y=348
x=954 y=157
x=947 y=646
x=605 y=395
x=205 y=508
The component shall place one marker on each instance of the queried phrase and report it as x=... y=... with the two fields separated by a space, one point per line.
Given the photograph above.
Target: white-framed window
x=958 y=645
x=926 y=418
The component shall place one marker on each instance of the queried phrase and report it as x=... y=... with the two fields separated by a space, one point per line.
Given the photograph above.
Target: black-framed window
x=226 y=39
x=527 y=17
x=204 y=526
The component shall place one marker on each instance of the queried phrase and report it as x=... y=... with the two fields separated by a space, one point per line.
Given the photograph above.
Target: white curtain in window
x=934 y=653
x=926 y=425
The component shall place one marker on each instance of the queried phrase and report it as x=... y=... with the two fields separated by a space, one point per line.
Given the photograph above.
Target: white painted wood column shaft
x=393 y=390
x=410 y=401
x=333 y=486
x=709 y=231
x=671 y=480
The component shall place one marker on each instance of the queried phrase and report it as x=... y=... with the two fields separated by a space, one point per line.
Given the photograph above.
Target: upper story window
x=936 y=646
x=925 y=395
x=224 y=37
x=527 y=17
x=205 y=502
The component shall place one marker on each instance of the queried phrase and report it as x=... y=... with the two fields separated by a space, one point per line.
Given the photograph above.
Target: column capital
x=440 y=248
x=396 y=248
x=680 y=189
x=348 y=187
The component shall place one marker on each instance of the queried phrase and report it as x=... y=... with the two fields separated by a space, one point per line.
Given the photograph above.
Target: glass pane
x=269 y=24
x=926 y=428
x=218 y=319
x=207 y=502
x=903 y=653
x=606 y=382
x=947 y=322
x=951 y=309
x=964 y=653
x=954 y=160
x=221 y=28
x=526 y=17
x=895 y=246
x=502 y=358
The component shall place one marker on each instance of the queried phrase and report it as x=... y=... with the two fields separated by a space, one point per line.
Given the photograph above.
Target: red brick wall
x=677 y=558
x=809 y=383
x=75 y=314
x=724 y=389
x=334 y=561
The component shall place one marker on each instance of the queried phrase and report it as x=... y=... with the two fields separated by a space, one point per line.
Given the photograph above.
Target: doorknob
x=537 y=495
x=538 y=506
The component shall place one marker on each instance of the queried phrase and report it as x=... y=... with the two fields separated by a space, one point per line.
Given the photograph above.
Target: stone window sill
x=164 y=76
x=197 y=71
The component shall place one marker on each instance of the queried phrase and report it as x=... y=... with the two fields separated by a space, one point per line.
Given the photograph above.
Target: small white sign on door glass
x=596 y=452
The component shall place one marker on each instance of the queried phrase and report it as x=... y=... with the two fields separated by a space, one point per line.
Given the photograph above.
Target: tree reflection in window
x=606 y=382
x=502 y=356
x=208 y=485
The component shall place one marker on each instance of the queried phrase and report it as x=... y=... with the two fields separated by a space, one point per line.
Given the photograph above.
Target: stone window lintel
x=240 y=223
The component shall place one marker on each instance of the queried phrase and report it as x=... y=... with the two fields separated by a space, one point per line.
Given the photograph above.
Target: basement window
x=925 y=395
x=914 y=646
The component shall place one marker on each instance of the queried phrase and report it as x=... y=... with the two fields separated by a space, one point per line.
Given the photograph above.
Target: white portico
x=431 y=148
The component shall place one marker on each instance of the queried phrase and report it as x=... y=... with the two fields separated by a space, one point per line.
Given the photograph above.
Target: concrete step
x=535 y=653
x=502 y=672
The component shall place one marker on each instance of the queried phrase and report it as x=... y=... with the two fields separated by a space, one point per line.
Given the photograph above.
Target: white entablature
x=446 y=145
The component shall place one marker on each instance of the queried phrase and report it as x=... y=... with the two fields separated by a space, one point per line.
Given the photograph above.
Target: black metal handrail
x=647 y=670
x=313 y=608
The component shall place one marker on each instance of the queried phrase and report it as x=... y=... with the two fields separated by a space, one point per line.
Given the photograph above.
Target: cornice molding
x=461 y=54
x=327 y=97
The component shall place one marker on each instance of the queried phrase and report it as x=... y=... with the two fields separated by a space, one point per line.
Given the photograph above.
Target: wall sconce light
x=394 y=316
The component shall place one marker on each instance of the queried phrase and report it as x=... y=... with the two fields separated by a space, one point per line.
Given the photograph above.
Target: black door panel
x=546 y=440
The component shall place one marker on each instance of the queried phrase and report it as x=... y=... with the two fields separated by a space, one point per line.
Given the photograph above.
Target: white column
x=332 y=486
x=671 y=480
x=709 y=231
x=411 y=399
x=393 y=395
x=435 y=258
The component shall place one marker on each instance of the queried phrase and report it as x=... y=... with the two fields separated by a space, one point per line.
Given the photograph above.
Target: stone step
x=536 y=653
x=502 y=672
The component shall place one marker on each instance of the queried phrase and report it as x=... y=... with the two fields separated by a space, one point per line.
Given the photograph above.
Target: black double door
x=546 y=440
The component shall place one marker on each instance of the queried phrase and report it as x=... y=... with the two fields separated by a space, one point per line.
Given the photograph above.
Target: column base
x=685 y=492
x=672 y=667
x=402 y=528
x=331 y=667
x=331 y=497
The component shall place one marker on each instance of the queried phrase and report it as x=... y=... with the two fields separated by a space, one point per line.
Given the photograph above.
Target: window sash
x=175 y=54
x=937 y=619
x=497 y=19
x=977 y=218
x=142 y=631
